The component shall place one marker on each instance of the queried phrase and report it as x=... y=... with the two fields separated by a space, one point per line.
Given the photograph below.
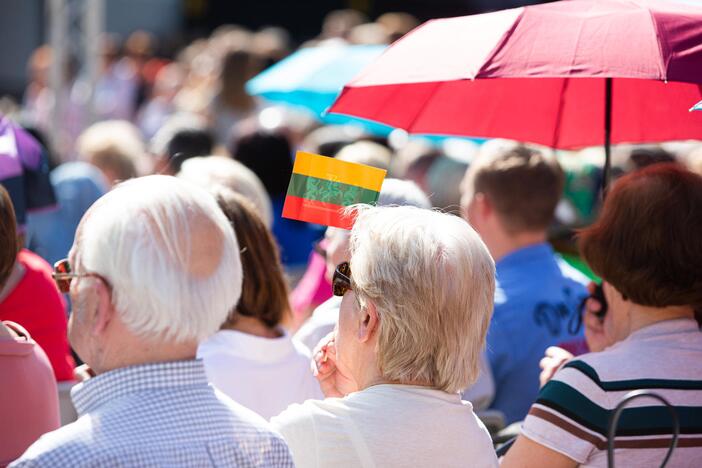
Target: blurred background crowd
x=121 y=100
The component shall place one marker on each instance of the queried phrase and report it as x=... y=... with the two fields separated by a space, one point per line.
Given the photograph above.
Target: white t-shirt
x=324 y=319
x=386 y=426
x=263 y=374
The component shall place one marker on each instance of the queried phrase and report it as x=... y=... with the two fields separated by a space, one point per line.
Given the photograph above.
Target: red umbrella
x=567 y=75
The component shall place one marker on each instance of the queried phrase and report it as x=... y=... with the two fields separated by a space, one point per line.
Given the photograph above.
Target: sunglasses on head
x=63 y=276
x=341 y=281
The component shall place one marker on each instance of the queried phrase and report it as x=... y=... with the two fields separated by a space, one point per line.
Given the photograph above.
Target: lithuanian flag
x=320 y=187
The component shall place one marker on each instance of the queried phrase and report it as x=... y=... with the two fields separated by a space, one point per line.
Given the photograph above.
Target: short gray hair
x=432 y=281
x=396 y=192
x=145 y=237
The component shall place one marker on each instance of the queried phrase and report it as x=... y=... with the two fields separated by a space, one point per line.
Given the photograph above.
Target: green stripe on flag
x=328 y=191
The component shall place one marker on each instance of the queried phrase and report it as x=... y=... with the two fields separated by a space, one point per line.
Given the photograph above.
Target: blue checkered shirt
x=163 y=414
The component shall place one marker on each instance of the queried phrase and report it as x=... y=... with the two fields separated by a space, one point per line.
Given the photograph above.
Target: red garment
x=37 y=305
x=28 y=395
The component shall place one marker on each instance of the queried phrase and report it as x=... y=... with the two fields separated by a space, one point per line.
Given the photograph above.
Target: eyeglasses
x=62 y=275
x=341 y=281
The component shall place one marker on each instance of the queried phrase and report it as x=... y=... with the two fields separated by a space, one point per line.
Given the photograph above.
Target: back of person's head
x=269 y=156
x=328 y=140
x=432 y=281
x=189 y=143
x=182 y=137
x=212 y=172
x=8 y=236
x=396 y=192
x=646 y=242
x=397 y=24
x=264 y=291
x=339 y=23
x=523 y=184
x=169 y=255
x=238 y=66
x=366 y=152
x=115 y=147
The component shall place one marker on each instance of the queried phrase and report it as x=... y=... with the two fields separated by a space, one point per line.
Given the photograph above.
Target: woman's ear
x=369 y=322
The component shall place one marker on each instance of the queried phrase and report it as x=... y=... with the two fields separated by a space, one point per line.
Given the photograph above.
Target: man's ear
x=369 y=322
x=104 y=312
x=483 y=205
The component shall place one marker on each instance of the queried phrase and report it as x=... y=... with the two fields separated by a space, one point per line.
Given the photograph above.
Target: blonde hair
x=116 y=148
x=432 y=281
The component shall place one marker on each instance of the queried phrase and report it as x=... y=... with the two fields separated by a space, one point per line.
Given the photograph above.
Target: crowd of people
x=487 y=296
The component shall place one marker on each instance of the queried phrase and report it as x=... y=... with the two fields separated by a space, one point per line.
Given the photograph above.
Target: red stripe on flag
x=317 y=212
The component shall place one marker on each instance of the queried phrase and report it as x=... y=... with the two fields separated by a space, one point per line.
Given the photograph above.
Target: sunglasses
x=63 y=276
x=341 y=281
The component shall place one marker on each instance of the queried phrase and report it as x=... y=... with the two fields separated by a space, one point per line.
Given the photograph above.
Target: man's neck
x=139 y=353
x=502 y=244
x=642 y=316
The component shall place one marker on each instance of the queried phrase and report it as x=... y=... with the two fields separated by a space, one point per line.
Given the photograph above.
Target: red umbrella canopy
x=540 y=73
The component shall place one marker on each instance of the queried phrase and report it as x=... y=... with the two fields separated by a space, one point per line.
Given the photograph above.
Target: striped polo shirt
x=572 y=412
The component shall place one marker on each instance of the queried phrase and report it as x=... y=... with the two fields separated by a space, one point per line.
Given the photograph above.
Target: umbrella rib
x=559 y=113
x=662 y=68
x=503 y=40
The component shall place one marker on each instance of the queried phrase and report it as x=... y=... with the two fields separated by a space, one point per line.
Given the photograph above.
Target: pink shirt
x=28 y=394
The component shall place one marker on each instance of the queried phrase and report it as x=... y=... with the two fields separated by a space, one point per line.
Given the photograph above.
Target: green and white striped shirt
x=572 y=412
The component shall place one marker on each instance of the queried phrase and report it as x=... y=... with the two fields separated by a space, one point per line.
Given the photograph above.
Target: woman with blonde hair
x=417 y=296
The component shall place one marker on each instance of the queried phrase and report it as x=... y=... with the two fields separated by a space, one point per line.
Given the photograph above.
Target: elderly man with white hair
x=153 y=271
x=417 y=300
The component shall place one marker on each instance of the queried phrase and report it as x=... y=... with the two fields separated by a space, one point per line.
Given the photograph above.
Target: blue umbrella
x=312 y=78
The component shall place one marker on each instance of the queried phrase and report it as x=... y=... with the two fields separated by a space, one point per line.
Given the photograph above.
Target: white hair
x=169 y=254
x=366 y=152
x=402 y=193
x=432 y=281
x=394 y=192
x=216 y=172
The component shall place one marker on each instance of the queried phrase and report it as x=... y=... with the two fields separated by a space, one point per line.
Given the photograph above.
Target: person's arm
x=525 y=453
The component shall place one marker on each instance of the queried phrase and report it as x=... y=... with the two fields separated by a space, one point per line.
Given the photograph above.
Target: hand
x=334 y=382
x=553 y=359
x=594 y=326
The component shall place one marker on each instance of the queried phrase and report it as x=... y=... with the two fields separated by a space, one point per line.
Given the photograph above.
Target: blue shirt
x=536 y=296
x=77 y=186
x=163 y=414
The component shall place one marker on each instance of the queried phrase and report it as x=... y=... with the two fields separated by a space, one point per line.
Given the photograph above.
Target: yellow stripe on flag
x=323 y=167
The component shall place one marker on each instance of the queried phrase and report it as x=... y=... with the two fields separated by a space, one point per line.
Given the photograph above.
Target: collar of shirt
x=91 y=394
x=666 y=327
x=518 y=258
x=247 y=346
